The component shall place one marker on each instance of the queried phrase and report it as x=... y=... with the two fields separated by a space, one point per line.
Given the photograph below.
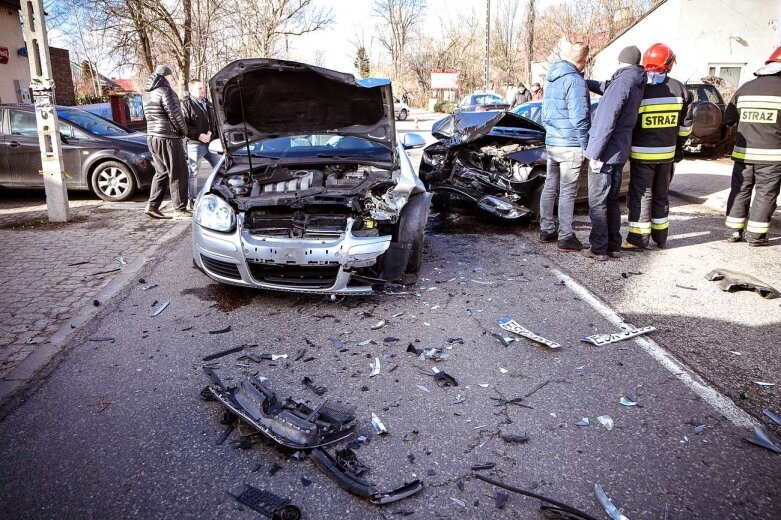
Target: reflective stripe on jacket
x=664 y=122
x=756 y=108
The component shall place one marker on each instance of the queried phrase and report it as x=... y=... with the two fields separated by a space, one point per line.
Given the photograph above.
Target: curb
x=41 y=356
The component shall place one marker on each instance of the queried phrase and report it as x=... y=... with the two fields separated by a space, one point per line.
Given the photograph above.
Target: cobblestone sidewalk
x=48 y=272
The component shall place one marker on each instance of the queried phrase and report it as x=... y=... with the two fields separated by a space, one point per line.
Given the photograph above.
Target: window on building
x=730 y=73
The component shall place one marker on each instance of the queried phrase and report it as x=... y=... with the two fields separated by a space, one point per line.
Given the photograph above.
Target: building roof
x=126 y=85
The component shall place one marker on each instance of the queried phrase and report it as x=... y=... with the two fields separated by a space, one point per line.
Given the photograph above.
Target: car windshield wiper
x=333 y=156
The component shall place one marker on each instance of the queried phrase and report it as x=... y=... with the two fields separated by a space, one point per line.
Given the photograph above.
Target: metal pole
x=42 y=87
x=487 y=43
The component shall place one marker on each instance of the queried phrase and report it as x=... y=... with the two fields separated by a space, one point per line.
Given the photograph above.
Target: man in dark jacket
x=199 y=117
x=566 y=117
x=522 y=95
x=756 y=109
x=610 y=140
x=165 y=128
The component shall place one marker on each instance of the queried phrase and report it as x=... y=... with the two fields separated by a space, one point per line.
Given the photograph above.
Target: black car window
x=90 y=122
x=705 y=93
x=23 y=123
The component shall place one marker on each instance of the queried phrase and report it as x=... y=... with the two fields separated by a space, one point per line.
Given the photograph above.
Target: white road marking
x=710 y=395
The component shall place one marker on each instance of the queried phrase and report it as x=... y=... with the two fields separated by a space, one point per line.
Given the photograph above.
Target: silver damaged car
x=314 y=192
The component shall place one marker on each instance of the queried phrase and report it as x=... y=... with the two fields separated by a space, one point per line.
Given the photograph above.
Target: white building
x=725 y=38
x=14 y=68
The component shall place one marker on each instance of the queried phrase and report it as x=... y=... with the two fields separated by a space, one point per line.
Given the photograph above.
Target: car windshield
x=705 y=93
x=317 y=146
x=532 y=111
x=90 y=122
x=487 y=99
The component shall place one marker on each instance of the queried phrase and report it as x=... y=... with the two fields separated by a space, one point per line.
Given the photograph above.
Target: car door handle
x=14 y=144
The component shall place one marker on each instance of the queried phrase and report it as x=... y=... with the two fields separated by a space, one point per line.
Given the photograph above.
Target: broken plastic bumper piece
x=289 y=422
x=611 y=510
x=268 y=504
x=510 y=325
x=627 y=332
x=345 y=470
x=731 y=281
x=502 y=208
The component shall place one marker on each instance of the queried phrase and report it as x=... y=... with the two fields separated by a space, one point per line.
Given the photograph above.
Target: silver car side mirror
x=412 y=140
x=216 y=147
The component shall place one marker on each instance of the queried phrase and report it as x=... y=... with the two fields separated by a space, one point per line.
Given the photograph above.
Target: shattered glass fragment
x=762 y=383
x=163 y=306
x=367 y=342
x=583 y=422
x=375 y=367
x=760 y=438
x=611 y=510
x=380 y=324
x=501 y=499
x=606 y=421
x=423 y=388
x=626 y=401
x=773 y=417
x=378 y=426
x=336 y=343
x=458 y=501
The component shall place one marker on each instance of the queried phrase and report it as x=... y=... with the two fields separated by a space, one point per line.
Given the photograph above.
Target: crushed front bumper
x=309 y=265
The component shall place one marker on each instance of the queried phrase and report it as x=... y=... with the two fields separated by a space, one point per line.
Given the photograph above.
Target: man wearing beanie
x=610 y=140
x=165 y=128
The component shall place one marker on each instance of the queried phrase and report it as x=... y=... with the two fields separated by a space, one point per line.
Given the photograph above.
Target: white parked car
x=400 y=109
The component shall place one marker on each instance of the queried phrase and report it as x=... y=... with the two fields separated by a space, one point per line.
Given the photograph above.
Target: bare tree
x=399 y=18
x=505 y=38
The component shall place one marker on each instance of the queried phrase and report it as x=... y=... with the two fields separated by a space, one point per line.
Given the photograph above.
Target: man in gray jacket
x=165 y=128
x=566 y=117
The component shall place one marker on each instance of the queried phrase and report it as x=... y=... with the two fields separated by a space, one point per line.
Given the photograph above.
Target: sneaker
x=155 y=213
x=546 y=236
x=190 y=205
x=183 y=214
x=588 y=253
x=570 y=245
x=734 y=236
x=614 y=254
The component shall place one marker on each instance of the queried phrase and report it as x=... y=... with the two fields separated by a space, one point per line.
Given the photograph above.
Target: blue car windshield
x=90 y=122
x=323 y=146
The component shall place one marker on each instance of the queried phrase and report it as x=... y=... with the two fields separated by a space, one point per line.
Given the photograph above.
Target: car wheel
x=412 y=225
x=402 y=115
x=535 y=203
x=113 y=181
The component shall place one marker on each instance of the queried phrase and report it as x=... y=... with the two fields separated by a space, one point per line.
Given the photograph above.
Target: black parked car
x=709 y=135
x=98 y=154
x=482 y=102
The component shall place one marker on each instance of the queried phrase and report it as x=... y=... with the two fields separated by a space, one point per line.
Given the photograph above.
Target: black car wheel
x=411 y=228
x=113 y=181
x=403 y=115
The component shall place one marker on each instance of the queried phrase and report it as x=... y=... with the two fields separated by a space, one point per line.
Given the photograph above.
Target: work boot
x=155 y=213
x=661 y=245
x=759 y=242
x=547 y=236
x=183 y=214
x=628 y=246
x=734 y=236
x=570 y=245
x=588 y=253
x=614 y=254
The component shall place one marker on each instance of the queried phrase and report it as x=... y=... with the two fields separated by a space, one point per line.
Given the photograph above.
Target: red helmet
x=658 y=58
x=776 y=56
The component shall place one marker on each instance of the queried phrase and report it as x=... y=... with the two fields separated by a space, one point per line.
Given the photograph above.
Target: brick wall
x=63 y=80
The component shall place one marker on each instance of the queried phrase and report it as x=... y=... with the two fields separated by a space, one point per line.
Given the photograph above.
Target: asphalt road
x=116 y=428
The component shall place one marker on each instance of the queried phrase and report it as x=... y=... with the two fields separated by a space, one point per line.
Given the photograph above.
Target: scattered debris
x=503 y=370
x=289 y=422
x=486 y=465
x=378 y=426
x=149 y=286
x=500 y=401
x=443 y=378
x=537 y=388
x=267 y=503
x=317 y=389
x=572 y=513
x=106 y=272
x=78 y=263
x=413 y=350
x=762 y=383
x=336 y=343
x=735 y=352
x=380 y=324
x=685 y=287
x=731 y=281
x=501 y=499
x=163 y=306
x=606 y=421
x=222 y=353
x=96 y=303
x=221 y=331
x=627 y=275
x=583 y=422
x=423 y=389
x=362 y=343
x=345 y=469
x=274 y=470
x=435 y=353
x=510 y=325
x=306 y=482
x=375 y=367
x=390 y=339
x=514 y=439
x=699 y=429
x=454 y=341
x=626 y=401
x=101 y=339
x=221 y=440
x=483 y=385
x=761 y=439
x=627 y=332
x=611 y=510
x=773 y=417
x=458 y=501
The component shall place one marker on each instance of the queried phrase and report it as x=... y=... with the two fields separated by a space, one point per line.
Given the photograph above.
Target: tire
x=113 y=181
x=412 y=225
x=535 y=203
x=403 y=115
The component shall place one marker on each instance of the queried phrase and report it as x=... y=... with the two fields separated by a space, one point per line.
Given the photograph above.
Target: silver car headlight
x=214 y=213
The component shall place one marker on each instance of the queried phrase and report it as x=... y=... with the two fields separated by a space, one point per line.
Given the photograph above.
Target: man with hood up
x=165 y=128
x=522 y=95
x=610 y=140
x=566 y=118
x=756 y=108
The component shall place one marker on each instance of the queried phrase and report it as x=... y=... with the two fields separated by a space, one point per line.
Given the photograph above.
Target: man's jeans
x=603 y=208
x=564 y=165
x=196 y=152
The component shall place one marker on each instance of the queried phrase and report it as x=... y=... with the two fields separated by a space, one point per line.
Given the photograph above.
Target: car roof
x=29 y=107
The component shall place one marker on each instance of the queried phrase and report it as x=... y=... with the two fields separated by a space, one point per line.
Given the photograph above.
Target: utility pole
x=487 y=43
x=42 y=87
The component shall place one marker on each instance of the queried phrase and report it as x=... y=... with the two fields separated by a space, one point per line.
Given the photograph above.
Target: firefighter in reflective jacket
x=663 y=124
x=756 y=108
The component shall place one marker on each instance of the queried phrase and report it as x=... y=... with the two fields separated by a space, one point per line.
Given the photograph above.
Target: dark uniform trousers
x=648 y=202
x=171 y=166
x=765 y=181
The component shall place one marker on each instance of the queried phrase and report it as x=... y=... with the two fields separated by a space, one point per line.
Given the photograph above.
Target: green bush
x=90 y=99
x=448 y=107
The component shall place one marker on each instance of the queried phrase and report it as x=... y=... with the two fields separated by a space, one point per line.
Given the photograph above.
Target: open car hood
x=273 y=98
x=466 y=127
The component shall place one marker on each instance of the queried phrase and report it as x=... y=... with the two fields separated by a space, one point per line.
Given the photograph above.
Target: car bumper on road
x=306 y=265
